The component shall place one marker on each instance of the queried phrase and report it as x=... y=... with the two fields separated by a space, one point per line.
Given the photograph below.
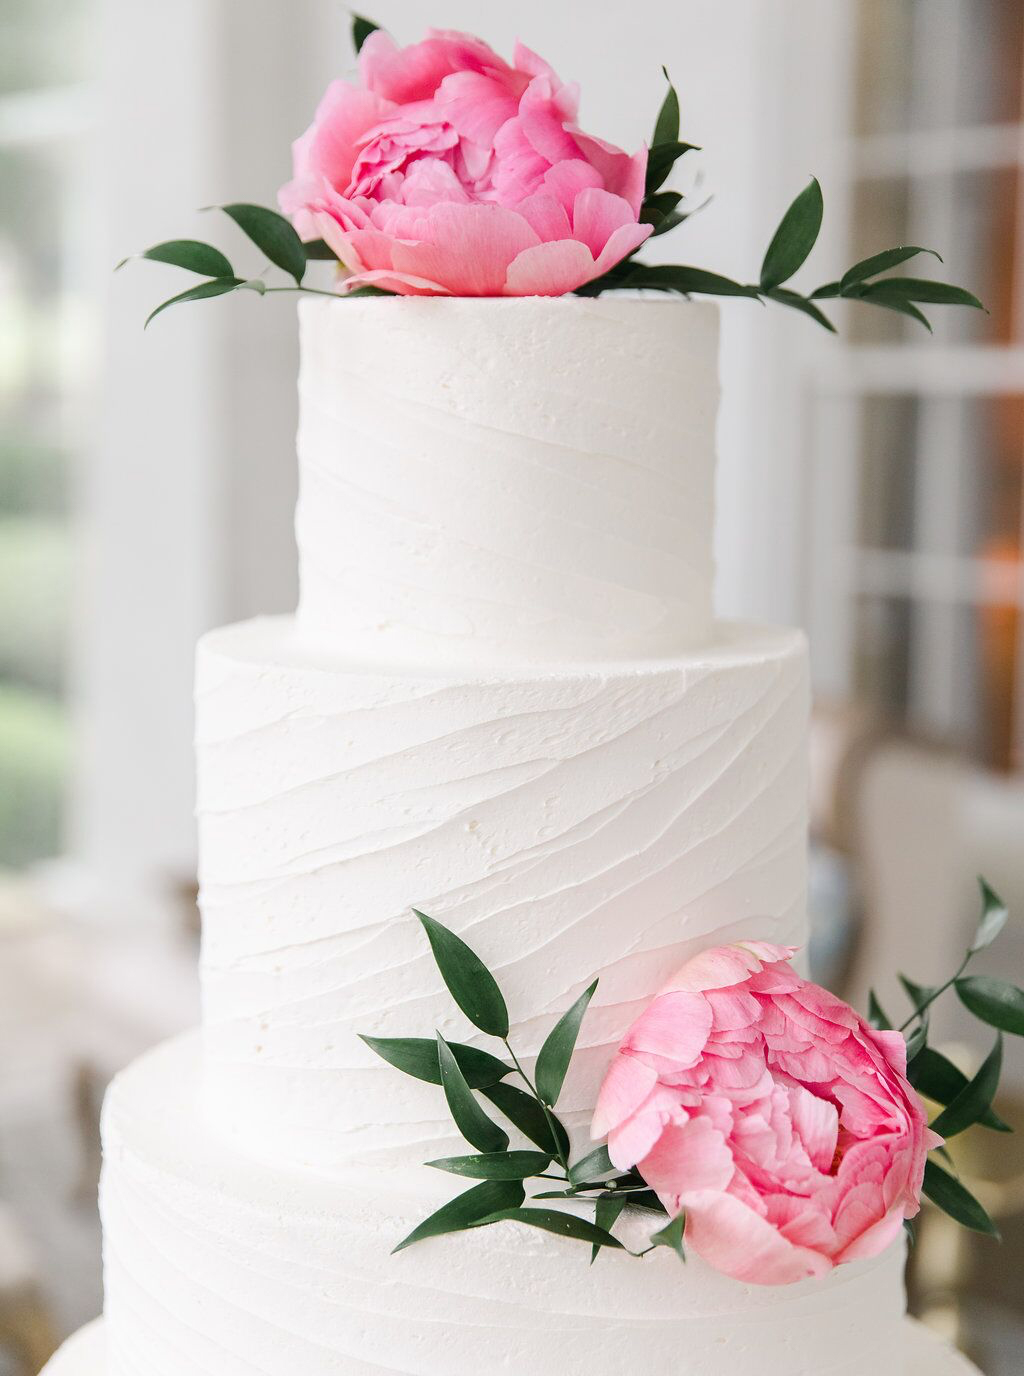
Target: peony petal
x=816 y=1125
x=596 y=215
x=404 y=283
x=476 y=106
x=734 y=1239
x=626 y=1085
x=415 y=72
x=329 y=147
x=550 y=269
x=624 y=175
x=545 y=215
x=675 y=1026
x=874 y=1240
x=467 y=248
x=693 y=1156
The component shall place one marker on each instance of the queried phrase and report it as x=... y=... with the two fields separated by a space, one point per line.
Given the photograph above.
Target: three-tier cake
x=504 y=700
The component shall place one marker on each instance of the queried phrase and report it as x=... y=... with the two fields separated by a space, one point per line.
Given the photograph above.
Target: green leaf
x=900 y=306
x=908 y=1228
x=877 y=1016
x=470 y=1118
x=881 y=262
x=272 y=234
x=218 y=287
x=666 y=130
x=499 y=1165
x=662 y=158
x=190 y=254
x=417 y=1056
x=672 y=1236
x=469 y=981
x=596 y=1162
x=255 y=284
x=646 y=1199
x=606 y=1215
x=993 y=1001
x=920 y=289
x=795 y=237
x=361 y=30
x=466 y=1210
x=936 y=1077
x=954 y=1199
x=917 y=1040
x=554 y=1221
x=687 y=280
x=993 y=918
x=826 y=293
x=975 y=1099
x=800 y=303
x=529 y=1117
x=366 y=291
x=918 y=994
x=317 y=251
x=660 y=211
x=556 y=1053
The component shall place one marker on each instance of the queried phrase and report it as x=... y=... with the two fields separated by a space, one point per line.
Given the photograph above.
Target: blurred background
x=871 y=490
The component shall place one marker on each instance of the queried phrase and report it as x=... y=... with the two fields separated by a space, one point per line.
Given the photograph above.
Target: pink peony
x=450 y=172
x=768 y=1110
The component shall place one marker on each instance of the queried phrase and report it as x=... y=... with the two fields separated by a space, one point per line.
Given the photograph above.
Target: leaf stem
x=937 y=992
x=560 y=1154
x=308 y=291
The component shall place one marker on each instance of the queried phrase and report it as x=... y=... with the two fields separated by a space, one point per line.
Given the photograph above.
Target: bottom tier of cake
x=220 y=1265
x=922 y=1354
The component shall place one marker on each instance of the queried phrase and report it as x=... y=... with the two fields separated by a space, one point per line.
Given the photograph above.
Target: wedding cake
x=503 y=700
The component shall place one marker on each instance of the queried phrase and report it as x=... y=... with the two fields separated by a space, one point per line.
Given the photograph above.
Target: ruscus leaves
x=500 y=1165
x=522 y=1110
x=975 y=1099
x=993 y=918
x=272 y=234
x=361 y=30
x=190 y=254
x=470 y=1118
x=466 y=1210
x=945 y=1191
x=936 y=1077
x=672 y=1236
x=218 y=287
x=556 y=1053
x=417 y=1056
x=469 y=981
x=795 y=237
x=993 y=1001
x=554 y=1221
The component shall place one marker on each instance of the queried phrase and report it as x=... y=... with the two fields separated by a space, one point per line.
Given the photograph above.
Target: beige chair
x=26 y=1330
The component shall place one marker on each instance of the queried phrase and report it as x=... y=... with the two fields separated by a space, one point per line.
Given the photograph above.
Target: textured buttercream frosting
x=502 y=481
x=604 y=821
x=220 y=1266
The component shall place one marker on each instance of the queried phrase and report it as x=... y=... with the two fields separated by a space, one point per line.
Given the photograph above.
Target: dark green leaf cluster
x=789 y=249
x=271 y=233
x=464 y=1072
x=963 y=1102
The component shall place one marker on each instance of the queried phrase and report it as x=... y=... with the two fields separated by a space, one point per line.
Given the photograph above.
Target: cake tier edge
x=220 y=1265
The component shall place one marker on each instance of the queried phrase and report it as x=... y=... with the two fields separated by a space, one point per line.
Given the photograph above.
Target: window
x=45 y=333
x=918 y=451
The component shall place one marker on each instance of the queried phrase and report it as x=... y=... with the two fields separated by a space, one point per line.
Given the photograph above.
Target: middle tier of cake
x=600 y=821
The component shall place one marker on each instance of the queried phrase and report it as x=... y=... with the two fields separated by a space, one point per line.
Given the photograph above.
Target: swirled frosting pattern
x=523 y=480
x=598 y=822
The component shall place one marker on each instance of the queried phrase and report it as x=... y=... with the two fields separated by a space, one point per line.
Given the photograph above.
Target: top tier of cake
x=512 y=481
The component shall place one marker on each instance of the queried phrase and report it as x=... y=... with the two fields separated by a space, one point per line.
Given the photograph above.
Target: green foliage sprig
x=789 y=249
x=963 y=1102
x=501 y=1171
x=463 y=1072
x=271 y=233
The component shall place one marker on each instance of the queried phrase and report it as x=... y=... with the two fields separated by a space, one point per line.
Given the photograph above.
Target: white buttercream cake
x=503 y=700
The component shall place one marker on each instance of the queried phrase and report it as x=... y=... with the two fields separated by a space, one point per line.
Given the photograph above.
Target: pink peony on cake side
x=452 y=172
x=769 y=1112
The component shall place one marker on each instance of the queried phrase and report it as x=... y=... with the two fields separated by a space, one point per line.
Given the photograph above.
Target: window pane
x=987 y=659
x=39 y=383
x=882 y=653
x=888 y=471
x=43 y=43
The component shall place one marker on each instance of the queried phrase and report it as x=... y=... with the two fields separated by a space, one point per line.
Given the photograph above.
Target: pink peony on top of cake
x=451 y=172
x=771 y=1112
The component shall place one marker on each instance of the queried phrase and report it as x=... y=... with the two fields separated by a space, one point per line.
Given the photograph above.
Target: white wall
x=188 y=500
